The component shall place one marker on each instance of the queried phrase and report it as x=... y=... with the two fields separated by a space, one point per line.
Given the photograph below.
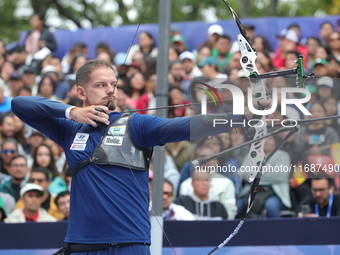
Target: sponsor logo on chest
x=113 y=140
x=78 y=147
x=81 y=138
x=117 y=130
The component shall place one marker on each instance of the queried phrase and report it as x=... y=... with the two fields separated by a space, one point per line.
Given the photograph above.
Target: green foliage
x=116 y=12
x=10 y=27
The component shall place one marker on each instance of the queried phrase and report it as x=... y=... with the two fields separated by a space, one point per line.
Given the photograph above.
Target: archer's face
x=101 y=90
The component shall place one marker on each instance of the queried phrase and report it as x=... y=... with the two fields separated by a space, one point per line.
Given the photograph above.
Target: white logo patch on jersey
x=81 y=138
x=113 y=140
x=78 y=147
x=121 y=121
x=117 y=130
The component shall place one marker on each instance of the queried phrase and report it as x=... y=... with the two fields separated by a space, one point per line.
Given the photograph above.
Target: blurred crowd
x=34 y=175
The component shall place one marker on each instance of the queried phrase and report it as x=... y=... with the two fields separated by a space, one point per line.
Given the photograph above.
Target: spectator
x=330 y=105
x=148 y=99
x=9 y=149
x=122 y=96
x=209 y=68
x=40 y=176
x=297 y=30
x=321 y=53
x=173 y=211
x=29 y=78
x=222 y=52
x=103 y=47
x=72 y=98
x=15 y=82
x=323 y=202
x=334 y=73
x=105 y=56
x=31 y=211
x=273 y=193
x=311 y=138
x=235 y=61
x=176 y=69
x=191 y=70
x=333 y=41
x=76 y=63
x=171 y=173
x=146 y=46
x=62 y=87
x=8 y=202
x=242 y=82
x=180 y=152
x=62 y=200
x=24 y=91
x=214 y=31
x=47 y=87
x=132 y=68
x=178 y=42
x=7 y=126
x=312 y=45
x=136 y=88
x=288 y=42
x=138 y=58
x=200 y=203
x=333 y=67
x=43 y=157
x=261 y=43
x=265 y=59
x=173 y=54
x=58 y=153
x=312 y=89
x=324 y=88
x=326 y=28
x=299 y=188
x=3 y=213
x=78 y=48
x=40 y=36
x=291 y=59
x=5 y=101
x=21 y=59
x=56 y=62
x=202 y=53
x=20 y=132
x=176 y=97
x=320 y=67
x=121 y=67
x=34 y=140
x=149 y=65
x=18 y=170
x=7 y=68
x=221 y=187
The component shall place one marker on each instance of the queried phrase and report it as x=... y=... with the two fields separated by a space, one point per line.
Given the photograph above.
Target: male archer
x=110 y=165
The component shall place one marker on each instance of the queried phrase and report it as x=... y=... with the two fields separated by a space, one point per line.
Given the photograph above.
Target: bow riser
x=258 y=89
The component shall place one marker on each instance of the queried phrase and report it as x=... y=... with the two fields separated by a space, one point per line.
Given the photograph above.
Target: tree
x=89 y=13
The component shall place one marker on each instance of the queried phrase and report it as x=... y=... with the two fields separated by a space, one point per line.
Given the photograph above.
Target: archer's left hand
x=257 y=104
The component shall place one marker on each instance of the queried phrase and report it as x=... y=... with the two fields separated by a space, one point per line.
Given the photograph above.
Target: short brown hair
x=84 y=72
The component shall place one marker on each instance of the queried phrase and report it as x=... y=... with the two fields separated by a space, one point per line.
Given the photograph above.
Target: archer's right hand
x=89 y=115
